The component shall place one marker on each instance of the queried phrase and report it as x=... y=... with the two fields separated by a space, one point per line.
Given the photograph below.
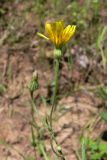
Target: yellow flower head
x=57 y=34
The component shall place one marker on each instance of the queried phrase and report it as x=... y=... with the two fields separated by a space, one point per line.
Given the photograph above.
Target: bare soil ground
x=74 y=112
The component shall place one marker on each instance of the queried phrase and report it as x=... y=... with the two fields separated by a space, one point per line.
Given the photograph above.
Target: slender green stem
x=42 y=149
x=56 y=73
x=56 y=70
x=54 y=97
x=83 y=149
x=36 y=141
x=33 y=119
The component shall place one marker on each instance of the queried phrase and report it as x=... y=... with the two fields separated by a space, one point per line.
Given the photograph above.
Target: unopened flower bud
x=35 y=75
x=33 y=84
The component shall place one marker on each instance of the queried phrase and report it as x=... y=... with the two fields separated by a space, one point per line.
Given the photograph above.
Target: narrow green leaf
x=101 y=36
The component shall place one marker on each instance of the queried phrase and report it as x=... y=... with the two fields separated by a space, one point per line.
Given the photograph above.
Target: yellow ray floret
x=57 y=34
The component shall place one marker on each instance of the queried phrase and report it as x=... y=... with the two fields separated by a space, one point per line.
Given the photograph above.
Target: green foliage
x=94 y=149
x=38 y=7
x=101 y=36
x=101 y=43
x=102 y=92
x=83 y=148
x=2 y=11
x=99 y=151
x=104 y=115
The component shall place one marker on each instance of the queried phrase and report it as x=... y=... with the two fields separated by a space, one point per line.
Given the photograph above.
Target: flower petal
x=68 y=33
x=49 y=31
x=42 y=35
x=57 y=28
